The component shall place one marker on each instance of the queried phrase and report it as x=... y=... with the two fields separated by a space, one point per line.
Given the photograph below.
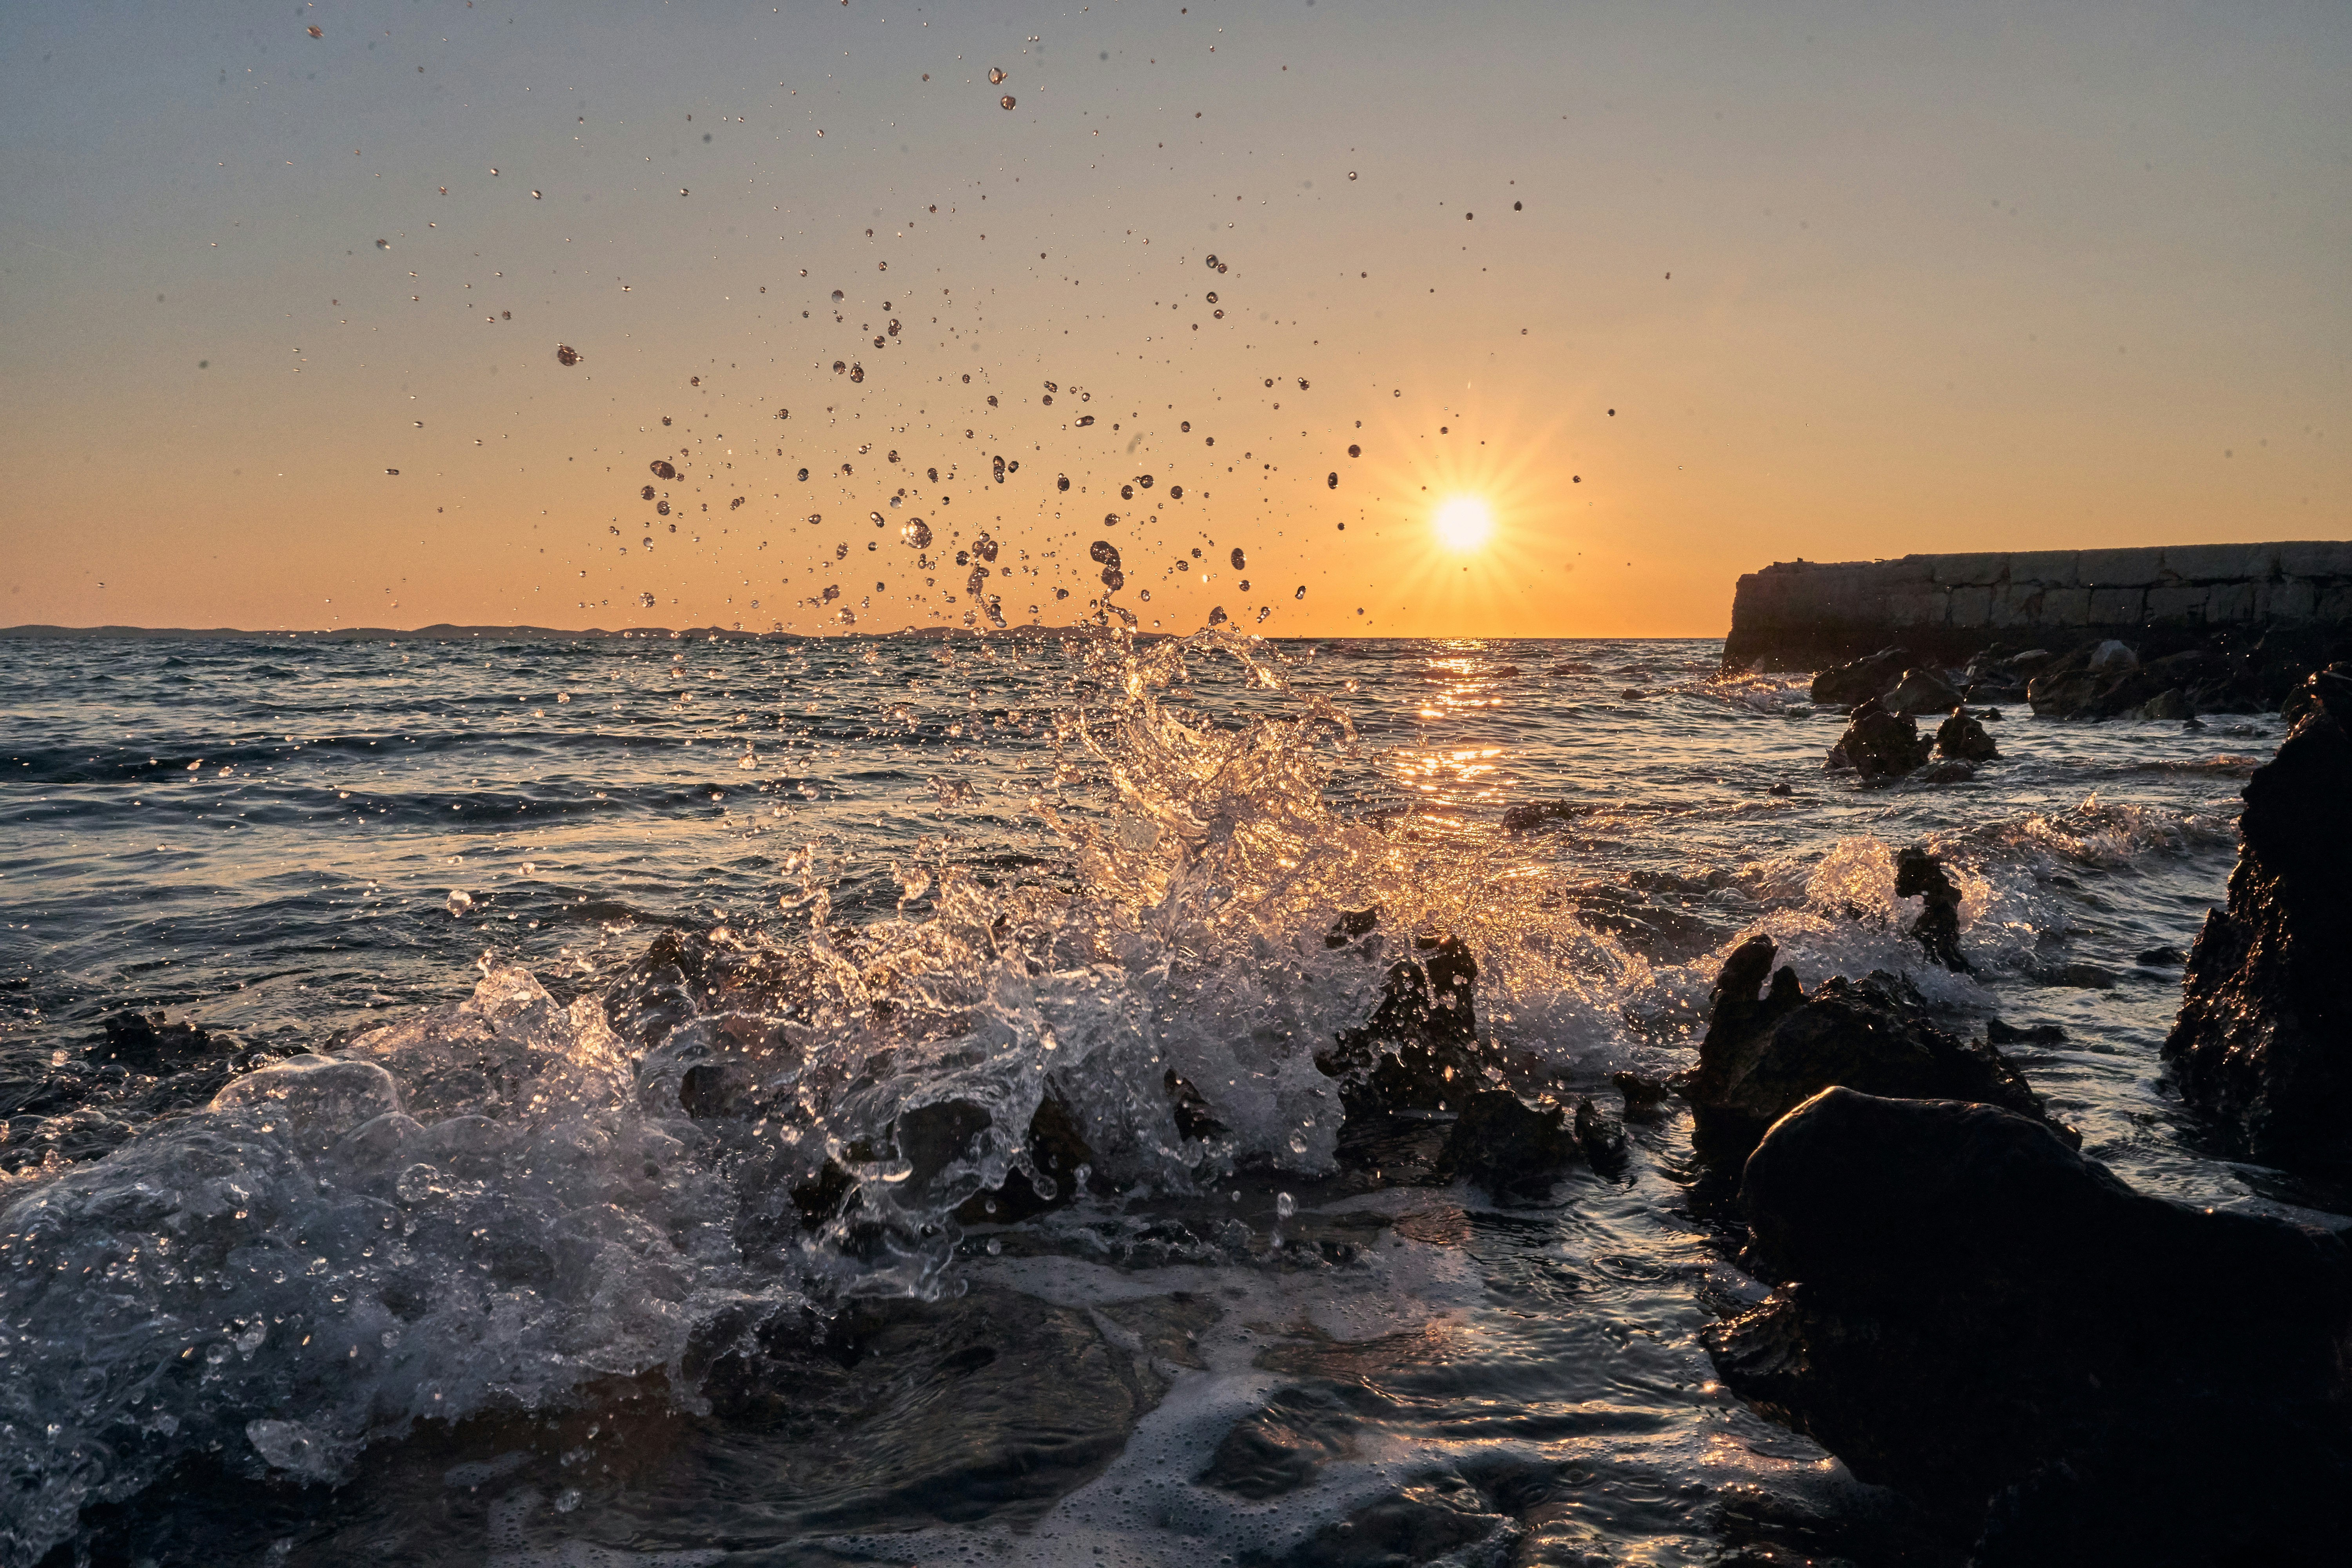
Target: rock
x=2171 y=703
x=1865 y=678
x=1920 y=875
x=1781 y=789
x=1601 y=1137
x=2263 y=1041
x=1921 y=692
x=1947 y=772
x=2112 y=655
x=1507 y=1147
x=1534 y=813
x=1420 y=1050
x=2157 y=957
x=2000 y=1034
x=1971 y=1312
x=1643 y=1095
x=1961 y=737
x=1882 y=746
x=1763 y=1057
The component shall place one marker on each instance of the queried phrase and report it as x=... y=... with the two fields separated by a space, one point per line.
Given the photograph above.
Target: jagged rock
x=1971 y=1312
x=1863 y=680
x=1960 y=737
x=1601 y=1136
x=1643 y=1095
x=1764 y=1056
x=2263 y=1041
x=1947 y=772
x=2172 y=703
x=1507 y=1146
x=1920 y=875
x=1420 y=1050
x=1881 y=745
x=146 y=1043
x=2000 y=1034
x=1921 y=692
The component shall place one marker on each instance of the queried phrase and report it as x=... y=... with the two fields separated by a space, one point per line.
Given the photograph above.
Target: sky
x=1652 y=294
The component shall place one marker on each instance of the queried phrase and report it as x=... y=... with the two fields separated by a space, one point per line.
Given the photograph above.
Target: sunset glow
x=1465 y=523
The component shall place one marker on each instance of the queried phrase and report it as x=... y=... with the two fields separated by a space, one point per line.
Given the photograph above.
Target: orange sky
x=1854 y=281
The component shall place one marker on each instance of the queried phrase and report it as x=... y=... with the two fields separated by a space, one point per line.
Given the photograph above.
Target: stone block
x=2187 y=602
x=2015 y=605
x=2227 y=602
x=2335 y=602
x=2219 y=562
x=2066 y=607
x=1916 y=607
x=1972 y=607
x=2289 y=599
x=2050 y=568
x=2320 y=558
x=2117 y=607
x=2120 y=568
x=1980 y=569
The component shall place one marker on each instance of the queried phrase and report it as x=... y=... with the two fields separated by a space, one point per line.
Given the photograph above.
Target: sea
x=567 y=1102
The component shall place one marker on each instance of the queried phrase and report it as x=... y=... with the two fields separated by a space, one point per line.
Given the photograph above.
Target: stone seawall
x=1802 y=614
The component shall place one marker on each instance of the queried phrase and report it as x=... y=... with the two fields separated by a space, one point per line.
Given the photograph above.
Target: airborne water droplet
x=1004 y=102
x=1239 y=562
x=1302 y=592
x=995 y=75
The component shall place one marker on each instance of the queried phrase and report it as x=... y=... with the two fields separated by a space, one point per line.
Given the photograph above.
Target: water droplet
x=1302 y=592
x=918 y=534
x=459 y=902
x=1240 y=562
x=1213 y=296
x=1355 y=451
x=1175 y=492
x=1351 y=174
x=1332 y=480
x=996 y=76
x=1086 y=420
x=1126 y=492
x=1004 y=102
x=664 y=469
x=1062 y=482
x=1212 y=261
x=566 y=354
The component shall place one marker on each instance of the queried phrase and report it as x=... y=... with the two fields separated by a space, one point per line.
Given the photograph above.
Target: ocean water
x=604 y=1054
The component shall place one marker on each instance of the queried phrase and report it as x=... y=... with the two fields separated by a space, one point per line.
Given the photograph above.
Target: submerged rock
x=2264 y=1037
x=1878 y=744
x=1920 y=875
x=1873 y=676
x=1766 y=1055
x=1963 y=739
x=1971 y=1312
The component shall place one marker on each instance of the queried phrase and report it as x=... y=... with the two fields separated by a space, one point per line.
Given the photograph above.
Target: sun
x=1463 y=523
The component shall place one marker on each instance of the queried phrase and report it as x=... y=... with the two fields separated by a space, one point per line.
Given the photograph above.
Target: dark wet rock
x=2077 y=977
x=2001 y=1033
x=147 y=1043
x=1921 y=692
x=1872 y=676
x=1947 y=772
x=1420 y=1050
x=2172 y=703
x=2158 y=957
x=1766 y=1053
x=1971 y=1312
x=2263 y=1041
x=1507 y=1146
x=1424 y=1523
x=1781 y=789
x=1279 y=1448
x=1963 y=738
x=1920 y=875
x=1643 y=1095
x=1601 y=1137
x=1881 y=745
x=1535 y=813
